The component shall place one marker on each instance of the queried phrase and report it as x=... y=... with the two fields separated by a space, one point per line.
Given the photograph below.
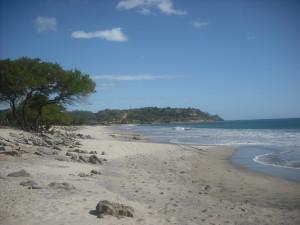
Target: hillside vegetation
x=143 y=115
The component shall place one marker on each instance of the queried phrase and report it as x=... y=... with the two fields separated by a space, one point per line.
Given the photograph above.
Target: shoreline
x=285 y=172
x=164 y=183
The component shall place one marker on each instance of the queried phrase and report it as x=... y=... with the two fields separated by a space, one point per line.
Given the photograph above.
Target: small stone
x=21 y=173
x=102 y=153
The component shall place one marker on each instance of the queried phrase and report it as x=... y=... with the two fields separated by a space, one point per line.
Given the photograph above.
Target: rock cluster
x=53 y=144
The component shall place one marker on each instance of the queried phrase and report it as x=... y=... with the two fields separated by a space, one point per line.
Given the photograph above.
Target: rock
x=82 y=159
x=94 y=159
x=207 y=187
x=2 y=148
x=65 y=186
x=62 y=158
x=114 y=209
x=30 y=184
x=12 y=153
x=102 y=153
x=83 y=175
x=95 y=172
x=73 y=156
x=45 y=151
x=38 y=153
x=21 y=173
x=57 y=148
x=93 y=152
x=80 y=151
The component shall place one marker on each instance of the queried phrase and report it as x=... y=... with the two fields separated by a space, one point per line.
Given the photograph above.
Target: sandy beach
x=164 y=183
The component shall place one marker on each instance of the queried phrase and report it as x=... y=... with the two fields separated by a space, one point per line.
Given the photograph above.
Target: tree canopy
x=34 y=88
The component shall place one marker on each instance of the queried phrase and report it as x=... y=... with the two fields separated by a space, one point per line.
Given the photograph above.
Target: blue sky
x=239 y=59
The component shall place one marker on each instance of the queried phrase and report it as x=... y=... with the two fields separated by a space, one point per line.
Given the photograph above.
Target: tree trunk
x=14 y=112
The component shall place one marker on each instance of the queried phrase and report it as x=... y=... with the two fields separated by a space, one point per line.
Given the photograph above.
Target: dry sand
x=165 y=184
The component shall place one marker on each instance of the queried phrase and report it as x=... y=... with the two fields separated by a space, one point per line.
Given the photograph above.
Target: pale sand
x=165 y=184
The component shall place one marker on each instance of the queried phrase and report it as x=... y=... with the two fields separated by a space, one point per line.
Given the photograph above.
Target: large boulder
x=114 y=209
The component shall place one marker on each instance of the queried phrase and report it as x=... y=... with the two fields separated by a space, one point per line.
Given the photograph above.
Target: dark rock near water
x=114 y=209
x=21 y=173
x=64 y=186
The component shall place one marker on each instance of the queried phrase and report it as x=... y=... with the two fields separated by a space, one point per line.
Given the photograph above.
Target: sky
x=236 y=58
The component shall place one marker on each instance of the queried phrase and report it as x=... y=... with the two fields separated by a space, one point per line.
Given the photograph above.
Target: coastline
x=164 y=183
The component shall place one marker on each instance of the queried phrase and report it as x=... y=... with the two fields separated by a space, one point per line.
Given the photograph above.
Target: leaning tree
x=31 y=87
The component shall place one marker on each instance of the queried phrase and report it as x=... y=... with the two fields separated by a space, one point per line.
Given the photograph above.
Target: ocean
x=270 y=146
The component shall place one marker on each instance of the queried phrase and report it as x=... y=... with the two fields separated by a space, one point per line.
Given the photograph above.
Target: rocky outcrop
x=114 y=209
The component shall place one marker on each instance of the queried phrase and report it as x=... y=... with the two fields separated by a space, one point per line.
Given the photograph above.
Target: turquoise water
x=271 y=146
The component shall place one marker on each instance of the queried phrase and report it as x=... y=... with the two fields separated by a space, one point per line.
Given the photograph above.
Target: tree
x=29 y=85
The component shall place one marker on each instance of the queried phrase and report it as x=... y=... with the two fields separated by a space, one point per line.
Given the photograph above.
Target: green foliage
x=30 y=85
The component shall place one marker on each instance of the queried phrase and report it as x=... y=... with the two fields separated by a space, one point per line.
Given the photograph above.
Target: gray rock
x=64 y=186
x=83 y=175
x=21 y=173
x=12 y=153
x=94 y=159
x=82 y=159
x=80 y=151
x=62 y=158
x=93 y=152
x=57 y=148
x=45 y=151
x=95 y=172
x=30 y=184
x=114 y=209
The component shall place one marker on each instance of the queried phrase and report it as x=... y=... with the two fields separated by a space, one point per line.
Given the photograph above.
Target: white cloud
x=199 y=24
x=115 y=34
x=45 y=24
x=145 y=6
x=132 y=77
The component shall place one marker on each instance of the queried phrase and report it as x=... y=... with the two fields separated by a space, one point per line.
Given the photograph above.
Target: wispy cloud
x=115 y=34
x=45 y=24
x=200 y=24
x=132 y=77
x=145 y=6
